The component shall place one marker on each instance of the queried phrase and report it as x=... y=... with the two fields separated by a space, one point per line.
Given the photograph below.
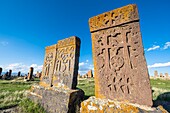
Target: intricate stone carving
x=66 y=65
x=119 y=62
x=114 y=18
x=48 y=67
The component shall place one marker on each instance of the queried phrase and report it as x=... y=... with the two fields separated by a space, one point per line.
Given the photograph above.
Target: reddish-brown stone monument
x=30 y=73
x=48 y=67
x=89 y=74
x=66 y=64
x=119 y=64
x=156 y=74
x=57 y=91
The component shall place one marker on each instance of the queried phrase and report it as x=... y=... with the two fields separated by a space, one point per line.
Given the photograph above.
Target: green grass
x=13 y=93
x=87 y=85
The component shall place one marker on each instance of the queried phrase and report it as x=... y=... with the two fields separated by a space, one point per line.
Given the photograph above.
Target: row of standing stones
x=121 y=76
x=27 y=77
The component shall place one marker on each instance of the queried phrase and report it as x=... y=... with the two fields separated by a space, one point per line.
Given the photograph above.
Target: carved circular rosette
x=117 y=62
x=49 y=57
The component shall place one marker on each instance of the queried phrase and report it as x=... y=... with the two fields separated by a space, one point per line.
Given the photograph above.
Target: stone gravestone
x=48 y=67
x=19 y=73
x=0 y=70
x=29 y=77
x=89 y=74
x=119 y=64
x=66 y=65
x=156 y=74
x=57 y=91
x=10 y=73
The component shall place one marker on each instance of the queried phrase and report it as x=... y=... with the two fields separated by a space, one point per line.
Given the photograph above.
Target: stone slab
x=119 y=64
x=57 y=100
x=48 y=67
x=66 y=64
x=96 y=105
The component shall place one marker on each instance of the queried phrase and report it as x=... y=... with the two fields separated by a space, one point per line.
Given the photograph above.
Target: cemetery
x=119 y=83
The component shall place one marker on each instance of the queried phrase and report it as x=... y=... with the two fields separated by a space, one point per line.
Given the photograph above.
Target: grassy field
x=13 y=93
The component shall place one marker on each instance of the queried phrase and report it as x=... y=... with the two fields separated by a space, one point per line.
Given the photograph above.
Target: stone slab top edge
x=113 y=18
x=73 y=40
x=59 y=89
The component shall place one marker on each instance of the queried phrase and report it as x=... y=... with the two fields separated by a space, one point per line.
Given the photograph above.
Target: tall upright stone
x=57 y=91
x=156 y=74
x=10 y=73
x=66 y=64
x=90 y=74
x=0 y=70
x=30 y=73
x=48 y=67
x=19 y=73
x=119 y=64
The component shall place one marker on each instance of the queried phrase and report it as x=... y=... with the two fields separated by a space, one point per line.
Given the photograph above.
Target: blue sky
x=27 y=26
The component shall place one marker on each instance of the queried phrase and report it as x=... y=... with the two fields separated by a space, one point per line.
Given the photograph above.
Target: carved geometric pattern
x=119 y=63
x=66 y=64
x=48 y=67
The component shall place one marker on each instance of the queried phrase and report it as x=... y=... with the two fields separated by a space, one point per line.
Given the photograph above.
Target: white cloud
x=157 y=65
x=4 y=43
x=84 y=67
x=81 y=64
x=167 y=45
x=37 y=67
x=154 y=47
x=16 y=67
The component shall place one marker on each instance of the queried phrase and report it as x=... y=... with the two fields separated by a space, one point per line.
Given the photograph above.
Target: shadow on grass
x=163 y=100
x=8 y=107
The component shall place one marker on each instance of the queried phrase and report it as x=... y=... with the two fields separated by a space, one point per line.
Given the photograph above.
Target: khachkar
x=48 y=67
x=66 y=64
x=119 y=63
x=57 y=89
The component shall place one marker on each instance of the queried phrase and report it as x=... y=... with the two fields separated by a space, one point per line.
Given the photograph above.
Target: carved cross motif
x=107 y=46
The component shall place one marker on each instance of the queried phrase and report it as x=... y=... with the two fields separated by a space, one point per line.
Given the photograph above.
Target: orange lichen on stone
x=48 y=67
x=112 y=18
x=96 y=105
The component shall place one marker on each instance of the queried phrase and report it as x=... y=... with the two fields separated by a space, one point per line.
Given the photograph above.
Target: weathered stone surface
x=119 y=64
x=96 y=105
x=57 y=100
x=90 y=74
x=0 y=70
x=156 y=74
x=30 y=73
x=59 y=77
x=48 y=67
x=66 y=64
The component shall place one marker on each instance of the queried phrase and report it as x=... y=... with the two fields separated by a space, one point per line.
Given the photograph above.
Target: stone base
x=57 y=100
x=96 y=105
